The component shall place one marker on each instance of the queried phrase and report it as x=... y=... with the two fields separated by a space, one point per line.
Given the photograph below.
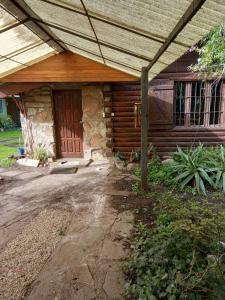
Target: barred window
x=198 y=103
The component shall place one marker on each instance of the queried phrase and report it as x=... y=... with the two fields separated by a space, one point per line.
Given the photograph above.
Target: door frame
x=58 y=154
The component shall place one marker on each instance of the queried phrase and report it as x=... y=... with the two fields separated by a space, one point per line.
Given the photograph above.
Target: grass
x=10 y=137
x=6 y=151
x=11 y=134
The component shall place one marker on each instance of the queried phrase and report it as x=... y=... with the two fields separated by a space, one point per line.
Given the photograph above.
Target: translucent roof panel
x=122 y=68
x=60 y=17
x=7 y=66
x=72 y=40
x=6 y=19
x=129 y=33
x=123 y=58
x=125 y=39
x=15 y=39
x=154 y=17
x=87 y=54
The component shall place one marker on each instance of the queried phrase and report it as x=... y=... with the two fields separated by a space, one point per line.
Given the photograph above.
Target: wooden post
x=144 y=127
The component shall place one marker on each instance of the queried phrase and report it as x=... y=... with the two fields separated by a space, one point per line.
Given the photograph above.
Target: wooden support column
x=144 y=127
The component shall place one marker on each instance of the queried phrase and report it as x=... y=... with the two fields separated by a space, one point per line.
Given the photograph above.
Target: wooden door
x=68 y=123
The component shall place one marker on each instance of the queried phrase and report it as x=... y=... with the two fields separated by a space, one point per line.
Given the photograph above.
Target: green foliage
x=212 y=54
x=218 y=163
x=6 y=162
x=120 y=156
x=6 y=122
x=182 y=257
x=191 y=167
x=40 y=153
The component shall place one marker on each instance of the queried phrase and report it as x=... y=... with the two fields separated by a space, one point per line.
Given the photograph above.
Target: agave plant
x=191 y=167
x=219 y=169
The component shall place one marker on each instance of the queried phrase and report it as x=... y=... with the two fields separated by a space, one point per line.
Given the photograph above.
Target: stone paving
x=86 y=262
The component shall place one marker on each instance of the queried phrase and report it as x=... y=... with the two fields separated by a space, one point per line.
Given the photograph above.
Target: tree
x=211 y=50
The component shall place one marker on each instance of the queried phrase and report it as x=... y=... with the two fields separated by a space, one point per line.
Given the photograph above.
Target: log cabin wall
x=124 y=137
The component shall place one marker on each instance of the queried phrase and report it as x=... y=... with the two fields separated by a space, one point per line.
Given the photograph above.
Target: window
x=198 y=103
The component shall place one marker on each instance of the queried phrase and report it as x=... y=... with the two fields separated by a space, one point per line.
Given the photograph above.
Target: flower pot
x=21 y=151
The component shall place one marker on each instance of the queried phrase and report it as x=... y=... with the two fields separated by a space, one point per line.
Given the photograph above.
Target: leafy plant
x=182 y=257
x=219 y=169
x=120 y=156
x=191 y=166
x=6 y=122
x=40 y=153
x=211 y=60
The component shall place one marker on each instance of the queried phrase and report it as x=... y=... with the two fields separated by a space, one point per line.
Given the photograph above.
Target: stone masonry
x=38 y=124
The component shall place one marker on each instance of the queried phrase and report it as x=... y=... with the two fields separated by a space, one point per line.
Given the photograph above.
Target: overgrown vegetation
x=197 y=169
x=211 y=62
x=179 y=248
x=181 y=256
x=6 y=123
x=40 y=153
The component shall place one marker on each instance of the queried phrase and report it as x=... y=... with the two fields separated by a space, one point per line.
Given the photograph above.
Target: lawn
x=9 y=141
x=11 y=134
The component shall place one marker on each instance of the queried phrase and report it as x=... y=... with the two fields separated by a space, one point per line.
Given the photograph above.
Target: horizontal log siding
x=124 y=137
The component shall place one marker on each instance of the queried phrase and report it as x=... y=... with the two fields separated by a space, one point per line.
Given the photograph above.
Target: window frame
x=187 y=105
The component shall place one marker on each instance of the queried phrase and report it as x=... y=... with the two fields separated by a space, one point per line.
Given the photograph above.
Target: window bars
x=198 y=104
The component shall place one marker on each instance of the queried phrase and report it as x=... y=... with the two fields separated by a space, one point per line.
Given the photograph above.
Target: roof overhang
x=126 y=35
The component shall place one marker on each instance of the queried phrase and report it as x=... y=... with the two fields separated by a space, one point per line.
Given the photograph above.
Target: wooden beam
x=144 y=127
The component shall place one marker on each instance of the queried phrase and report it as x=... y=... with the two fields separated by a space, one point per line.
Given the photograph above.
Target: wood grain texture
x=162 y=133
x=68 y=67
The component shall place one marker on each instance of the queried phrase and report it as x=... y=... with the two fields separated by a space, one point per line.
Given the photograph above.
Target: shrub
x=182 y=257
x=40 y=153
x=6 y=122
x=191 y=167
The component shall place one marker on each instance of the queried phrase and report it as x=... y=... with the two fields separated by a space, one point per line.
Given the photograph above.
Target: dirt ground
x=64 y=236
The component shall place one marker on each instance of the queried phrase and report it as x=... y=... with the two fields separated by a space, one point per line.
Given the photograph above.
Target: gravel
x=24 y=257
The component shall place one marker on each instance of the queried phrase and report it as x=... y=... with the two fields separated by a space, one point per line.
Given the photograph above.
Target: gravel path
x=26 y=255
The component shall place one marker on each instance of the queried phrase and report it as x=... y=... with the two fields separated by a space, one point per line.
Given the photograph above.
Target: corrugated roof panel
x=156 y=17
x=123 y=58
x=75 y=41
x=34 y=54
x=86 y=54
x=63 y=18
x=8 y=66
x=125 y=39
x=76 y=4
x=6 y=19
x=16 y=39
x=122 y=68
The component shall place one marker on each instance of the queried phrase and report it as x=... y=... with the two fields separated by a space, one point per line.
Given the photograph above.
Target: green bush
x=183 y=257
x=40 y=153
x=6 y=123
x=192 y=167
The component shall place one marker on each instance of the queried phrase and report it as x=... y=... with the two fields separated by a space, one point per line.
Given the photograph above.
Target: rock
x=28 y=162
x=167 y=161
x=121 y=165
x=131 y=166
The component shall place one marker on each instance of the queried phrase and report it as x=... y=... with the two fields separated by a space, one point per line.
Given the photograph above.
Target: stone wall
x=94 y=125
x=38 y=126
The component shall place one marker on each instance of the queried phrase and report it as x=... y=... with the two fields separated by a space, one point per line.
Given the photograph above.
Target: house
x=95 y=117
x=9 y=108
x=77 y=67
